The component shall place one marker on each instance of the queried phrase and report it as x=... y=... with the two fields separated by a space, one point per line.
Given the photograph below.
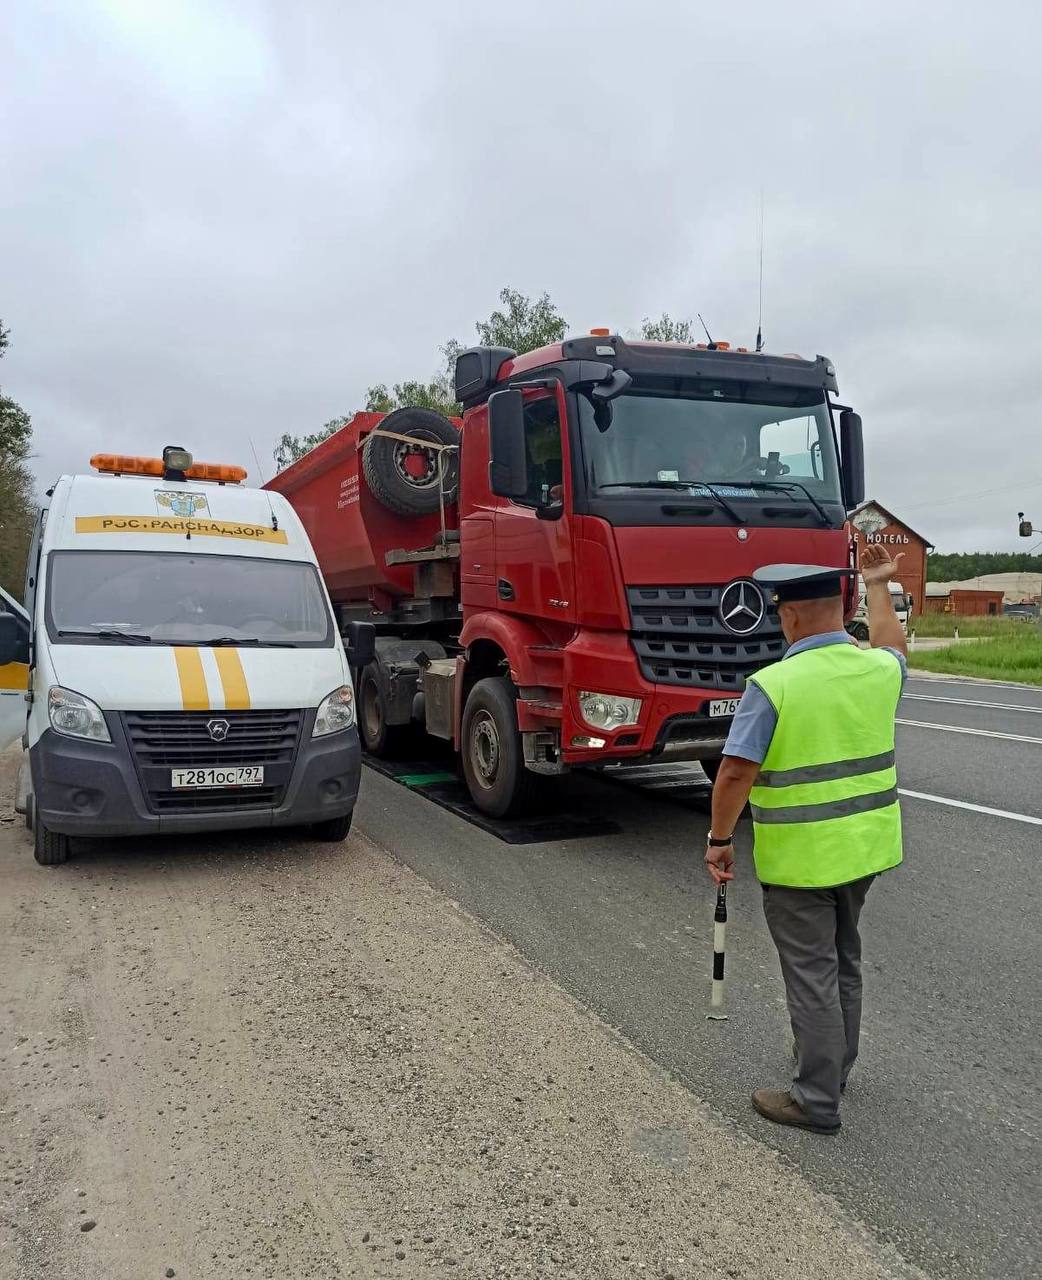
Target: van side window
x=543 y=452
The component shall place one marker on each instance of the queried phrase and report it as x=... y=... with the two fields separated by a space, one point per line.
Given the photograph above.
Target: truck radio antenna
x=759 y=323
x=712 y=344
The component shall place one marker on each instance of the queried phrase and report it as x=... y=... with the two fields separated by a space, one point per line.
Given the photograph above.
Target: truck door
x=534 y=569
x=14 y=677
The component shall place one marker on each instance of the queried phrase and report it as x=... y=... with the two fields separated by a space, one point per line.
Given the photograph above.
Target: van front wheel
x=50 y=848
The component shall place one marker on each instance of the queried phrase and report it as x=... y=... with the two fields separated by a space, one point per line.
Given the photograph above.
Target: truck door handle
x=505 y=589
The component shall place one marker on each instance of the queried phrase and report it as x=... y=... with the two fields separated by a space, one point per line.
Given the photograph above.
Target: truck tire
x=493 y=759
x=404 y=478
x=333 y=830
x=50 y=848
x=378 y=737
x=859 y=630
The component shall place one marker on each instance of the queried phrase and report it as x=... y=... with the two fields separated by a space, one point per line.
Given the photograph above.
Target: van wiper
x=685 y=485
x=219 y=642
x=783 y=485
x=125 y=637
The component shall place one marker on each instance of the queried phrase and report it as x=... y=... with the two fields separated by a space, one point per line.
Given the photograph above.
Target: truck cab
x=183 y=669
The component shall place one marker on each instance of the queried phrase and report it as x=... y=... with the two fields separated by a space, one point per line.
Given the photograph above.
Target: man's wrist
x=719 y=842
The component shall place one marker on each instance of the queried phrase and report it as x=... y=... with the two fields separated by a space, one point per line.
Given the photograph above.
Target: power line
x=976 y=493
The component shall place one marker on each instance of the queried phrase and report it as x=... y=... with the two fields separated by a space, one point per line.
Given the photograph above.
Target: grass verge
x=944 y=624
x=1016 y=656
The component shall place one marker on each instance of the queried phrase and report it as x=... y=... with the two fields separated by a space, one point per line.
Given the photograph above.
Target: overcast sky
x=220 y=221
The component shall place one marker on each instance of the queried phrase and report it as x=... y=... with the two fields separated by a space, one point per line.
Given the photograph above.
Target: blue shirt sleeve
x=752 y=727
x=902 y=662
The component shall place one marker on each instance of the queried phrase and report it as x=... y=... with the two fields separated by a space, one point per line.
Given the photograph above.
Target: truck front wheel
x=493 y=759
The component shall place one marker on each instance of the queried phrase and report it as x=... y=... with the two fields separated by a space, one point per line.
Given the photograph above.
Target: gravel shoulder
x=261 y=1057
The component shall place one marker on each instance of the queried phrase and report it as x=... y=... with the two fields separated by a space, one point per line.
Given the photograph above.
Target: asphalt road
x=940 y=1154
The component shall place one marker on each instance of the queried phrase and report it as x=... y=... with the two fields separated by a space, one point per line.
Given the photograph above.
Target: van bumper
x=90 y=789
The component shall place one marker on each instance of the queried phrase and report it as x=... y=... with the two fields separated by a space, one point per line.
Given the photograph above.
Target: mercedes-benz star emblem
x=217 y=729
x=741 y=607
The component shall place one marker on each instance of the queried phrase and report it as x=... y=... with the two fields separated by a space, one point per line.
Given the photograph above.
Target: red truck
x=562 y=577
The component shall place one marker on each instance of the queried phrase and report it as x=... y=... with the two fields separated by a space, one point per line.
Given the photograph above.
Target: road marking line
x=971 y=702
x=979 y=733
x=977 y=808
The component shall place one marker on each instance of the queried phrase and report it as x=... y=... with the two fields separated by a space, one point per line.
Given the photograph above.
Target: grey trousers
x=816 y=933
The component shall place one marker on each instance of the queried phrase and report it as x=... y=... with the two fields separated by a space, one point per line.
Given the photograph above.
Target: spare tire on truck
x=404 y=477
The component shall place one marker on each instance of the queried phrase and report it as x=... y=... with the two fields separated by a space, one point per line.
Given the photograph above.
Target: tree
x=963 y=565
x=522 y=326
x=17 y=499
x=666 y=329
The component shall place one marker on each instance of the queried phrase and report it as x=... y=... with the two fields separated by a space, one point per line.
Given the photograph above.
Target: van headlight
x=608 y=710
x=336 y=712
x=74 y=716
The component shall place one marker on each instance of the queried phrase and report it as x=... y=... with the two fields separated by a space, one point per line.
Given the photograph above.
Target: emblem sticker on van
x=181 y=504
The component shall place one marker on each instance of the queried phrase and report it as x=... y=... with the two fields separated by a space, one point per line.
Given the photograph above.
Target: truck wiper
x=685 y=485
x=219 y=642
x=126 y=637
x=784 y=485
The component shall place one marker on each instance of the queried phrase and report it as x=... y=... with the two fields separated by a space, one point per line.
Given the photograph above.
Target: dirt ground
x=255 y=1056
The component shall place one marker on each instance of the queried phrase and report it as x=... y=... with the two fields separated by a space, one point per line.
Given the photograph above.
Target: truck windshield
x=181 y=598
x=730 y=435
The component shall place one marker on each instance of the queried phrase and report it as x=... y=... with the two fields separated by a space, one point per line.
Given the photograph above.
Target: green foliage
x=291 y=448
x=974 y=564
x=945 y=624
x=1017 y=656
x=666 y=329
x=522 y=325
x=17 y=499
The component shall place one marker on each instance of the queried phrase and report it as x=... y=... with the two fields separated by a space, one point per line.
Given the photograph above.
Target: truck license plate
x=250 y=775
x=724 y=706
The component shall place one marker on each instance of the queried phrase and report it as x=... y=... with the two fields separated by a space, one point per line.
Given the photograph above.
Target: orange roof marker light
x=176 y=464
x=600 y=333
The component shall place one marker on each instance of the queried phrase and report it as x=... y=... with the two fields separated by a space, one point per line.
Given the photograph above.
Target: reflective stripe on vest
x=824 y=807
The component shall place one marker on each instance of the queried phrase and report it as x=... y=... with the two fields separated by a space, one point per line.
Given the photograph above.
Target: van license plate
x=724 y=706
x=250 y=775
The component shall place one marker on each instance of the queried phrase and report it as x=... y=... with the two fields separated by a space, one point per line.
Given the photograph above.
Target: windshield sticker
x=181 y=504
x=176 y=525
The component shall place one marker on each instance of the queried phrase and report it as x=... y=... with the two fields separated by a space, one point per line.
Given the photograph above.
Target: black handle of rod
x=720 y=914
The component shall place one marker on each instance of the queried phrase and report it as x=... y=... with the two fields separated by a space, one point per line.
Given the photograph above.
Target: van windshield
x=113 y=597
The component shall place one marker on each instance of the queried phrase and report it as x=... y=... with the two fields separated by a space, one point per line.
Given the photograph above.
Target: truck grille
x=679 y=639
x=165 y=740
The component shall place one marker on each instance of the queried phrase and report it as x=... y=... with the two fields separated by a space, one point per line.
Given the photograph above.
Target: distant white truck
x=858 y=625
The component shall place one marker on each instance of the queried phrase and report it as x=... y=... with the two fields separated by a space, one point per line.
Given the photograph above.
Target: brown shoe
x=780 y=1106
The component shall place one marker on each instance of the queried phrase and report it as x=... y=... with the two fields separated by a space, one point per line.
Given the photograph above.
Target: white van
x=182 y=667
x=858 y=625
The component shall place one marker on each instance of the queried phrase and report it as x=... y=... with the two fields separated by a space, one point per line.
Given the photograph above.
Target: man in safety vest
x=811 y=749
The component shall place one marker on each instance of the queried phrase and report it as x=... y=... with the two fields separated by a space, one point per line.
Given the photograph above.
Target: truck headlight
x=74 y=716
x=608 y=710
x=336 y=712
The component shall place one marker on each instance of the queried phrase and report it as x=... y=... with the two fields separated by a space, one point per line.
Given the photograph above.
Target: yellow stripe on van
x=233 y=679
x=179 y=525
x=194 y=696
x=14 y=675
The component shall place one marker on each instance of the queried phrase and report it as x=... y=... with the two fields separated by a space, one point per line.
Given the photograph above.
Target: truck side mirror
x=360 y=642
x=508 y=465
x=852 y=453
x=14 y=643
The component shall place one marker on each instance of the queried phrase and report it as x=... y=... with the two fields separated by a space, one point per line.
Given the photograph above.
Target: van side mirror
x=360 y=643
x=852 y=454
x=508 y=465
x=14 y=643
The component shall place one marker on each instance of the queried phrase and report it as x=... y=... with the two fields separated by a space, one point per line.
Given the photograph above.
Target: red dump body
x=349 y=529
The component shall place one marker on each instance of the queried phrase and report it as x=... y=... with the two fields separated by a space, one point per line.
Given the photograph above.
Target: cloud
x=228 y=219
